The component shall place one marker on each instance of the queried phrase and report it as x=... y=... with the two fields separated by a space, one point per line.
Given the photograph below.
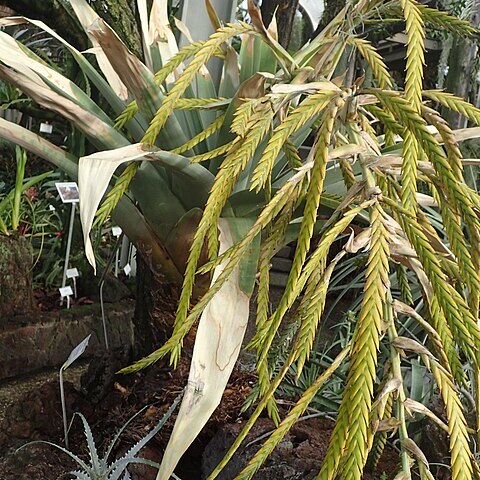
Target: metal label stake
x=102 y=282
x=66 y=292
x=73 y=274
x=69 y=193
x=74 y=355
x=69 y=245
x=117 y=231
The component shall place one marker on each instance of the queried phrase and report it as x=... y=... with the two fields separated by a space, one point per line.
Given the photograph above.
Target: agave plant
x=224 y=165
x=103 y=467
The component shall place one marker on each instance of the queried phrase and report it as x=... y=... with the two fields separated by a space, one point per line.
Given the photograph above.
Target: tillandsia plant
x=225 y=165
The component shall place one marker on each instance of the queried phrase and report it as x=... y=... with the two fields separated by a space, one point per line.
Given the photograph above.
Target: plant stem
x=64 y=409
x=21 y=158
x=397 y=373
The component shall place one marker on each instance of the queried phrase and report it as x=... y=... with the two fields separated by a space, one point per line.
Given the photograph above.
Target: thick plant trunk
x=218 y=341
x=16 y=294
x=461 y=69
x=53 y=13
x=285 y=15
x=156 y=303
x=330 y=11
x=121 y=15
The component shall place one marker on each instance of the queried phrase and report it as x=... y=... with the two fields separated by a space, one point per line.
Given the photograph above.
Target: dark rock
x=114 y=290
x=144 y=472
x=98 y=380
x=298 y=456
x=31 y=343
x=39 y=415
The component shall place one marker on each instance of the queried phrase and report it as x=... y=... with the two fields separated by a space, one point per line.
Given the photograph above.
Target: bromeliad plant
x=11 y=208
x=103 y=467
x=225 y=165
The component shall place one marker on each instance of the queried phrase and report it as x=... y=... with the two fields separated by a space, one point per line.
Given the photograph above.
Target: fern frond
x=242 y=115
x=380 y=440
x=365 y=345
x=461 y=456
x=457 y=104
x=413 y=94
x=200 y=137
x=127 y=115
x=307 y=110
x=403 y=284
x=174 y=62
x=316 y=295
x=216 y=152
x=199 y=103
x=297 y=411
x=116 y=193
x=453 y=305
x=374 y=59
x=448 y=23
x=201 y=58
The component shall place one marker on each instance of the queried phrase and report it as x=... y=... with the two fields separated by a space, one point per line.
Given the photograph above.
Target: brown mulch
x=38 y=416
x=49 y=300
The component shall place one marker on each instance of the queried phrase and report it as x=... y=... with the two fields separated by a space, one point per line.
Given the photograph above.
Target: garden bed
x=38 y=416
x=45 y=339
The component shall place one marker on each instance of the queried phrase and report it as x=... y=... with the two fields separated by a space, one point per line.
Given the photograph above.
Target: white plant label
x=65 y=291
x=68 y=192
x=46 y=128
x=76 y=352
x=127 y=269
x=116 y=231
x=72 y=273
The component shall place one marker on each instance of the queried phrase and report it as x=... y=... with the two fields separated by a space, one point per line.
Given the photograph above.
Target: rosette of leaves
x=228 y=165
x=102 y=467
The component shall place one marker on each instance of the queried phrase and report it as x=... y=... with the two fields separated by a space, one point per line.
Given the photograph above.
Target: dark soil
x=298 y=456
x=114 y=291
x=38 y=416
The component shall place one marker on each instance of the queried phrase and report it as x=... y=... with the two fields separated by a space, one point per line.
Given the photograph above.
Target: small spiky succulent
x=100 y=467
